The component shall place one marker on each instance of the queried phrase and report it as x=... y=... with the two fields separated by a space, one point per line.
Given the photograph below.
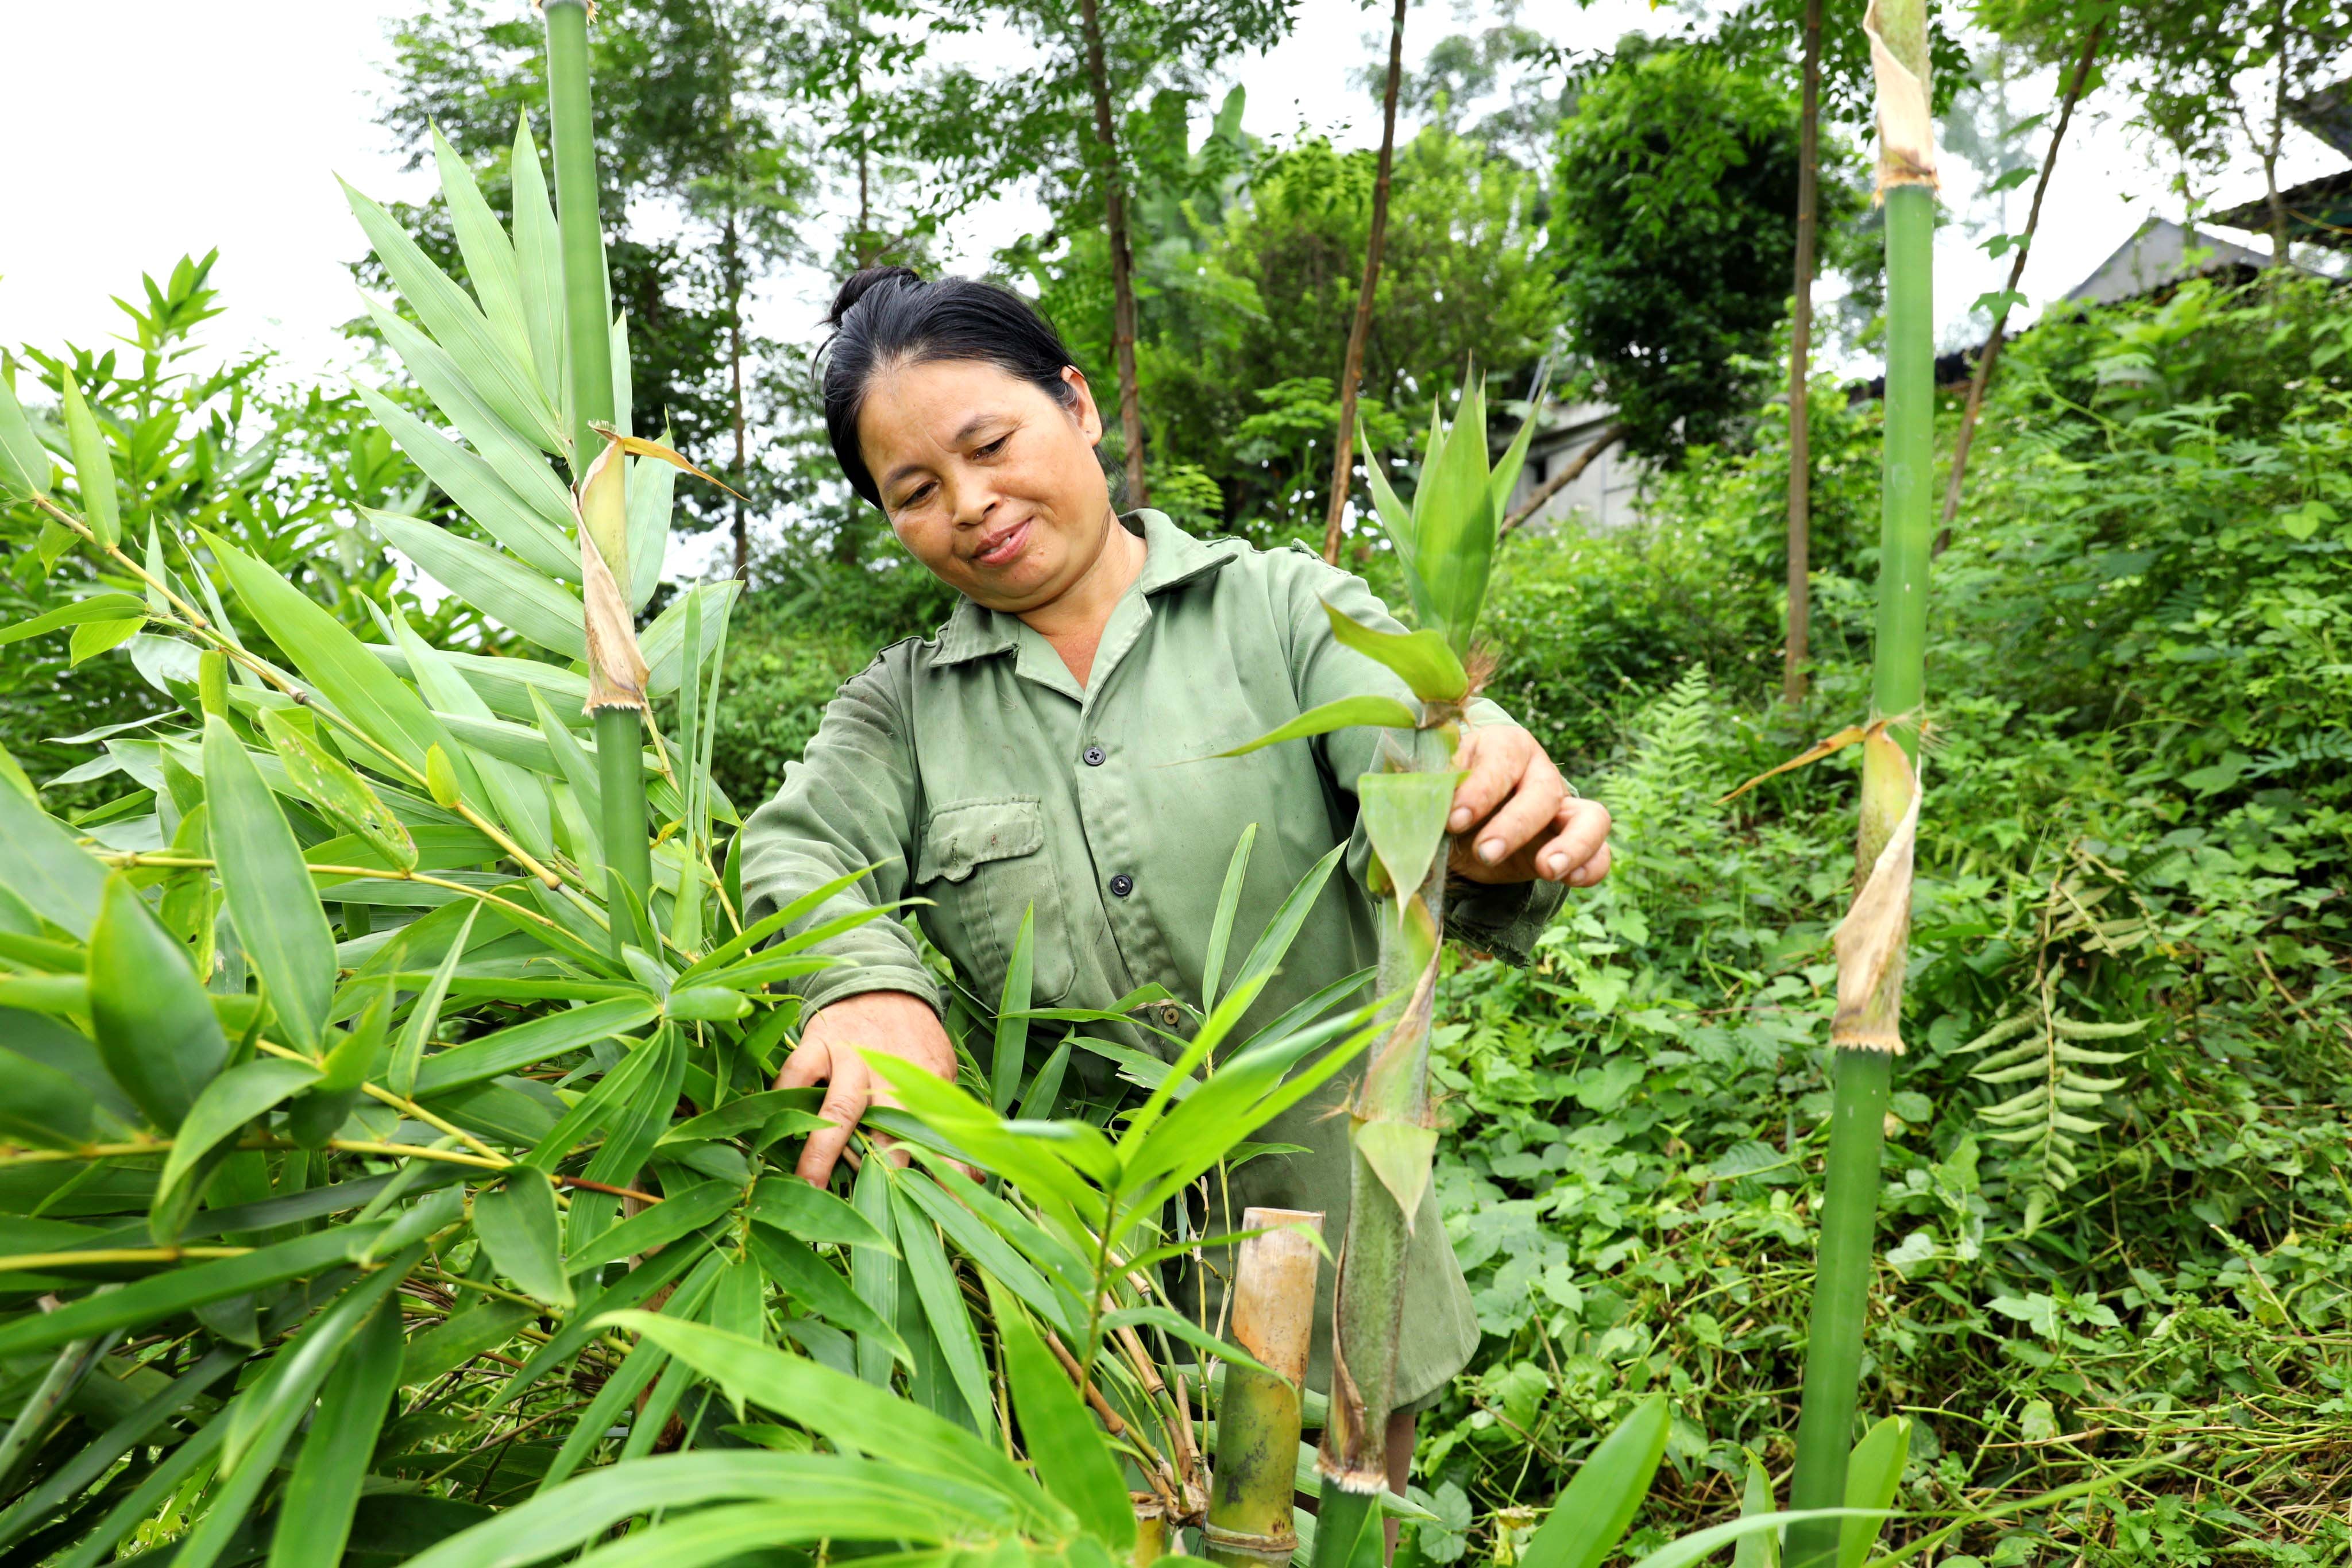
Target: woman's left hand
x=1514 y=818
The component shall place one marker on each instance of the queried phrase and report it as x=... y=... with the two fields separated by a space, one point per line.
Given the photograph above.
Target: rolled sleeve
x=847 y=806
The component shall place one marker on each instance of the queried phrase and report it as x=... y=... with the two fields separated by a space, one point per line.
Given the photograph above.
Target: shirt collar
x=1171 y=557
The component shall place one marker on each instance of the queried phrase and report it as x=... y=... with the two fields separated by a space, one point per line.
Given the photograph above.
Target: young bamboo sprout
x=1870 y=944
x=1249 y=1521
x=1445 y=545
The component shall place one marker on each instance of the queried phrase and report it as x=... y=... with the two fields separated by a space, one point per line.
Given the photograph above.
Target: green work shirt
x=973 y=770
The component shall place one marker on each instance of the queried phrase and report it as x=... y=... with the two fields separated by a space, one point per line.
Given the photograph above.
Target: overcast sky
x=159 y=129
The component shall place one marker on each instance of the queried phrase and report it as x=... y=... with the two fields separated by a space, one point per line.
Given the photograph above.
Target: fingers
x=1532 y=808
x=1493 y=759
x=1580 y=840
x=846 y=1097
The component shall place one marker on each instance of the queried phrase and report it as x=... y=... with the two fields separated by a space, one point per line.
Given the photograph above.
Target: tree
x=1343 y=451
x=1058 y=120
x=1672 y=210
x=1256 y=310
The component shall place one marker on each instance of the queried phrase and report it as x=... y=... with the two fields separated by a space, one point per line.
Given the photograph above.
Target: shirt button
x=1170 y=1015
x=1122 y=884
x=1094 y=755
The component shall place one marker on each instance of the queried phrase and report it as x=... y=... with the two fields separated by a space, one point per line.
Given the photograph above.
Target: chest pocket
x=985 y=865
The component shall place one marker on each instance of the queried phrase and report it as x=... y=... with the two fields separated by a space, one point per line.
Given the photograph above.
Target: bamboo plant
x=1445 y=543
x=1865 y=1033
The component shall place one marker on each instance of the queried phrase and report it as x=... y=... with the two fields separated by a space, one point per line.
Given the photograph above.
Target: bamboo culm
x=1390 y=1108
x=1833 y=1345
x=589 y=334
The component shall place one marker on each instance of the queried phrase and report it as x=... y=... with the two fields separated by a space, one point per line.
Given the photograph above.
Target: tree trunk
x=2270 y=152
x=1122 y=260
x=1983 y=376
x=1570 y=473
x=734 y=269
x=1798 y=648
x=1343 y=457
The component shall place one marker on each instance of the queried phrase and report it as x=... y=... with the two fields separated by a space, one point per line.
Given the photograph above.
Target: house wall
x=1603 y=497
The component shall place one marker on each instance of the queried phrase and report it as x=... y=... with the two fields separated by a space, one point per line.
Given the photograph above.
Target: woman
x=1021 y=763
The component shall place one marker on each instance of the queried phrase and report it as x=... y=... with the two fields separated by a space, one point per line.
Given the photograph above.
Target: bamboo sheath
x=1258 y=1418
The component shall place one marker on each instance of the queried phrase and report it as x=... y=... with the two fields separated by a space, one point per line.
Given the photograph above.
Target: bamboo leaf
x=652 y=485
x=361 y=690
x=314 y=1522
x=268 y=888
x=425 y=1014
x=490 y=368
x=1273 y=942
x=935 y=1287
x=658 y=1225
x=524 y=1045
x=516 y=1221
x=1422 y=659
x=1404 y=816
x=519 y=800
x=489 y=256
x=1872 y=1475
x=1012 y=1030
x=516 y=458
x=812 y=1281
x=94 y=638
x=191 y=1285
x=812 y=1214
x=93 y=469
x=1072 y=1460
x=1756 y=1498
x=1594 y=1512
x=24 y=461
x=155 y=1027
x=1457 y=518
x=97 y=607
x=1383 y=712
x=330 y=786
x=847 y=1413
x=479 y=492
x=539 y=271
x=1399 y=1154
x=1220 y=925
x=501 y=587
x=1404 y=533
x=42 y=865
x=226 y=1104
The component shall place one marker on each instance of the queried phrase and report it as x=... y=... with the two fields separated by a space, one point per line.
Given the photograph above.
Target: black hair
x=888 y=315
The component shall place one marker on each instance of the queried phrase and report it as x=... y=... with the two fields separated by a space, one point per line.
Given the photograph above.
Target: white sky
x=153 y=137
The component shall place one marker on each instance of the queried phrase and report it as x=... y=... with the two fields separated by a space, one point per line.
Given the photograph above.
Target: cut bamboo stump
x=1255 y=1481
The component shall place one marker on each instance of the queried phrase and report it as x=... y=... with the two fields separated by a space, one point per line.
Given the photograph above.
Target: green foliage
x=1674 y=204
x=2138 y=834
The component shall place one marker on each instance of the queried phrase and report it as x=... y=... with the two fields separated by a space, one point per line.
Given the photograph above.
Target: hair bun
x=856 y=287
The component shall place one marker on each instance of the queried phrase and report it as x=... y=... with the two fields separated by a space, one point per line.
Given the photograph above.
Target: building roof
x=2161 y=253
x=2318 y=211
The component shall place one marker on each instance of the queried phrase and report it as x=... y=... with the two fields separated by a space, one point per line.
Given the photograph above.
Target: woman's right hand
x=894 y=1022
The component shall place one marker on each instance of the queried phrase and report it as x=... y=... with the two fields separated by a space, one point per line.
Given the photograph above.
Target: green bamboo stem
x=621 y=791
x=1850 y=1202
x=1258 y=1415
x=1367 y=1317
x=573 y=128
x=589 y=340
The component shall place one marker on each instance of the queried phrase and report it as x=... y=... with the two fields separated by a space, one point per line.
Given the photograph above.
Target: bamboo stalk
x=620 y=787
x=1389 y=1145
x=1249 y=1523
x=572 y=130
x=1864 y=1037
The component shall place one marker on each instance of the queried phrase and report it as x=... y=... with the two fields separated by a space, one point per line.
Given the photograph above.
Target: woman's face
x=990 y=482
